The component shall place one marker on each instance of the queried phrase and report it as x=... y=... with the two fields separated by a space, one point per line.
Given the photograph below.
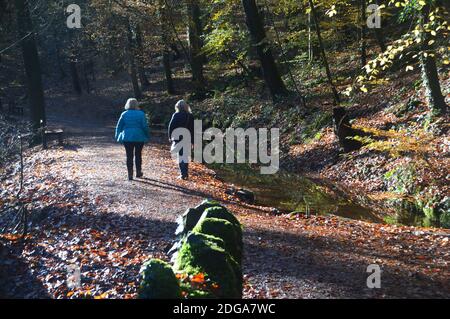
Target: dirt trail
x=304 y=258
x=118 y=224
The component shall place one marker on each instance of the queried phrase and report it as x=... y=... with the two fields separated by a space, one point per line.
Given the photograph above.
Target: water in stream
x=292 y=193
x=295 y=193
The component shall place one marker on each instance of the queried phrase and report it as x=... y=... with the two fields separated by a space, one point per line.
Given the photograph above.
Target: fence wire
x=13 y=143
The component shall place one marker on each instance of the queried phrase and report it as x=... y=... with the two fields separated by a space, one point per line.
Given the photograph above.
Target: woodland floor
x=88 y=214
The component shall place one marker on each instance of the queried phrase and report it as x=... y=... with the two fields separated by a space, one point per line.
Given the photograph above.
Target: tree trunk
x=195 y=30
x=166 y=48
x=91 y=69
x=362 y=44
x=344 y=131
x=74 y=74
x=141 y=63
x=168 y=72
x=430 y=75
x=310 y=45
x=177 y=53
x=32 y=64
x=87 y=84
x=379 y=36
x=132 y=63
x=342 y=126
x=62 y=74
x=143 y=77
x=324 y=56
x=59 y=63
x=270 y=70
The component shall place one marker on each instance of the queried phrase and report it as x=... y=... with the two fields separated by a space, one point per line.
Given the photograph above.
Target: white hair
x=182 y=106
x=132 y=104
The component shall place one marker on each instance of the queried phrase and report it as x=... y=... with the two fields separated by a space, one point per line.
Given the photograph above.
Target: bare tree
x=430 y=74
x=363 y=32
x=255 y=26
x=32 y=64
x=195 y=30
x=132 y=62
x=166 y=43
x=140 y=58
x=322 y=50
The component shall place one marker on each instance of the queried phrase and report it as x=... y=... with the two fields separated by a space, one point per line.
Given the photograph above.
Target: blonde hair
x=182 y=106
x=132 y=104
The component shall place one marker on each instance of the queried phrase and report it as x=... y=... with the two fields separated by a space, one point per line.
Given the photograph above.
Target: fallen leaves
x=69 y=227
x=14 y=237
x=199 y=278
x=108 y=242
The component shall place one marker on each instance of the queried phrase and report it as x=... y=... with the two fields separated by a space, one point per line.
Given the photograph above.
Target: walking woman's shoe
x=130 y=175
x=139 y=174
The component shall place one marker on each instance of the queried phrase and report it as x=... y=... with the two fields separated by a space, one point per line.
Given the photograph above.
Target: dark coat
x=182 y=120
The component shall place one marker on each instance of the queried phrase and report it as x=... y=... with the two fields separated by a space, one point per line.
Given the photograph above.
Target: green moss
x=158 y=281
x=444 y=219
x=223 y=213
x=315 y=124
x=200 y=294
x=200 y=254
x=207 y=204
x=193 y=293
x=190 y=217
x=392 y=220
x=224 y=230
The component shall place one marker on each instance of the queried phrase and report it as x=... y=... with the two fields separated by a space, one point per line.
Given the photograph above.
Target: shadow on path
x=330 y=265
x=16 y=280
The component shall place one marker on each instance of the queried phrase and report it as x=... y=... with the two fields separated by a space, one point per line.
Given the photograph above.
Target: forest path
x=90 y=216
x=316 y=257
x=273 y=261
x=274 y=257
x=319 y=257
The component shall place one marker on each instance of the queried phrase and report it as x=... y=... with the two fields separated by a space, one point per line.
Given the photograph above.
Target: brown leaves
x=14 y=237
x=107 y=250
x=107 y=235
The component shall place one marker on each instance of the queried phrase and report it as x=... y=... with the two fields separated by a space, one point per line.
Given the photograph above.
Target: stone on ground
x=224 y=230
x=158 y=281
x=202 y=254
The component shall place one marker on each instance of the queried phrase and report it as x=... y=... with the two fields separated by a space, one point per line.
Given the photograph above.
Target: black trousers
x=134 y=151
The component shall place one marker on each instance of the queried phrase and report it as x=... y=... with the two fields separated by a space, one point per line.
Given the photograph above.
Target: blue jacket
x=132 y=127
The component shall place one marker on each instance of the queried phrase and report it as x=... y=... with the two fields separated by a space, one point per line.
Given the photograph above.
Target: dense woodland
x=361 y=107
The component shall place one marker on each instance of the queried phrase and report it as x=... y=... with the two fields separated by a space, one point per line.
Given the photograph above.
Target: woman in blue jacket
x=133 y=132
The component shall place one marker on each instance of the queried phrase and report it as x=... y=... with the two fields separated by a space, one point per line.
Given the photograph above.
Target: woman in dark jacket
x=182 y=118
x=133 y=132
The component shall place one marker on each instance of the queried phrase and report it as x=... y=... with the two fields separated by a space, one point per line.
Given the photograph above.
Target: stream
x=293 y=193
x=290 y=192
